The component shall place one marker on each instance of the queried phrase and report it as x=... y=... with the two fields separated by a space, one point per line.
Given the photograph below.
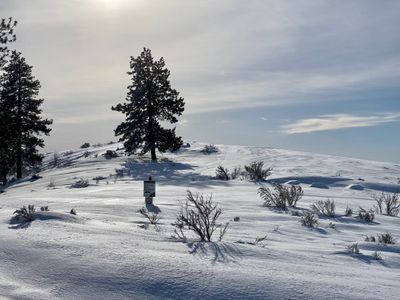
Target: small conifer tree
x=150 y=101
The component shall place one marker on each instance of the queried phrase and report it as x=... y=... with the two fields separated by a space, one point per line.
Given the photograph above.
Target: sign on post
x=149 y=188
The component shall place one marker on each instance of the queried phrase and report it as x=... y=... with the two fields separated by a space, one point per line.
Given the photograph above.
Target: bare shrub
x=27 y=214
x=370 y=239
x=52 y=183
x=110 y=154
x=209 y=149
x=255 y=171
x=56 y=160
x=308 y=220
x=348 y=212
x=222 y=173
x=119 y=172
x=353 y=248
x=386 y=238
x=281 y=196
x=376 y=255
x=236 y=219
x=367 y=216
x=324 y=208
x=200 y=215
x=332 y=225
x=153 y=217
x=236 y=173
x=387 y=203
x=44 y=208
x=81 y=183
x=257 y=241
x=85 y=145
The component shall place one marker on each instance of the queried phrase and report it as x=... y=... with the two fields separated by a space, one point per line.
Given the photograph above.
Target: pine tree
x=6 y=152
x=19 y=95
x=150 y=100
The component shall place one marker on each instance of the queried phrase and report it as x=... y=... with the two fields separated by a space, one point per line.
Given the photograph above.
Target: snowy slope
x=108 y=251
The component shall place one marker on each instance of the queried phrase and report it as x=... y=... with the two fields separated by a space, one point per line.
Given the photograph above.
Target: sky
x=317 y=76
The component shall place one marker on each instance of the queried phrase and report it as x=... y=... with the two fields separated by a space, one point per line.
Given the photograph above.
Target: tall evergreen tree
x=6 y=154
x=19 y=96
x=150 y=101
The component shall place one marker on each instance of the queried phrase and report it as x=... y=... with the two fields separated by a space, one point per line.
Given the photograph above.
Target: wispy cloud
x=339 y=121
x=183 y=122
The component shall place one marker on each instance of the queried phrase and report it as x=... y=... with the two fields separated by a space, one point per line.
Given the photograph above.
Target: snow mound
x=319 y=185
x=357 y=187
x=292 y=182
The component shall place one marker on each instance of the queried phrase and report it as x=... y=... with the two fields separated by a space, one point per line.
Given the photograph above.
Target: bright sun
x=113 y=4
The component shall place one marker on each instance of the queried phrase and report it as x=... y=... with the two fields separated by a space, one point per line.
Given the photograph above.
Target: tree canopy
x=150 y=101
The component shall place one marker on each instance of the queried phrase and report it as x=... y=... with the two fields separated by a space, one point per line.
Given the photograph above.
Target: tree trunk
x=19 y=160
x=153 y=153
x=19 y=129
x=4 y=178
x=152 y=138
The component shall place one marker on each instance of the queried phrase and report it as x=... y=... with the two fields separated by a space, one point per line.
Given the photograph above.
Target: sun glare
x=114 y=4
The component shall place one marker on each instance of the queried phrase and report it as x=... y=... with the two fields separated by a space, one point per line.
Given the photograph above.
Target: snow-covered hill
x=109 y=251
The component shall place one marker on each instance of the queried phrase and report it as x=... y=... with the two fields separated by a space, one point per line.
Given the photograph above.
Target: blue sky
x=319 y=76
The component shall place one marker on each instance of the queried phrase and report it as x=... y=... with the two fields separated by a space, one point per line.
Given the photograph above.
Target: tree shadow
x=19 y=224
x=168 y=172
x=218 y=252
x=368 y=259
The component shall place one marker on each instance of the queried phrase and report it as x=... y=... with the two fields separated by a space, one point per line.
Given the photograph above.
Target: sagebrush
x=200 y=215
x=387 y=203
x=367 y=216
x=308 y=220
x=281 y=196
x=256 y=172
x=25 y=213
x=153 y=217
x=324 y=208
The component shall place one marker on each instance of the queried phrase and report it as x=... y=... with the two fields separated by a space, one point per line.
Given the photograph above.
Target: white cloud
x=264 y=118
x=339 y=121
x=183 y=122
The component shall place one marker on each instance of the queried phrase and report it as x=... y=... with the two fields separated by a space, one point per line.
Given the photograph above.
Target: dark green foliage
x=6 y=36
x=20 y=118
x=150 y=101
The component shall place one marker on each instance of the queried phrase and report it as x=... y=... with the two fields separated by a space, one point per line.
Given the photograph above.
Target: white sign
x=149 y=188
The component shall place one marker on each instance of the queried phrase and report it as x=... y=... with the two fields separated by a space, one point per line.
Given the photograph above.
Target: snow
x=109 y=251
